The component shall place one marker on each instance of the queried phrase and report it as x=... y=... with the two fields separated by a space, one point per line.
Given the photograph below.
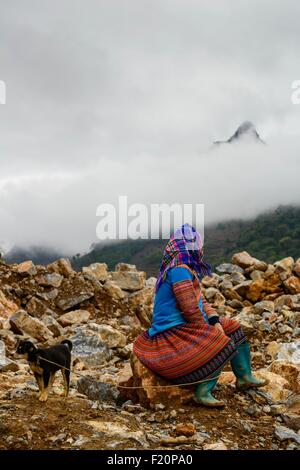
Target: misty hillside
x=269 y=236
x=38 y=255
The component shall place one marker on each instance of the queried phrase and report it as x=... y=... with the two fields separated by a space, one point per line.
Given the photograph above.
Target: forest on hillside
x=270 y=236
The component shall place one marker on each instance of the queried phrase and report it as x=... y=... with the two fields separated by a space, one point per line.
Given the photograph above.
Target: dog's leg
x=40 y=383
x=51 y=381
x=66 y=377
x=47 y=379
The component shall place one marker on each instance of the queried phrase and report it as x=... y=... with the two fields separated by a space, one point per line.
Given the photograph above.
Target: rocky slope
x=102 y=312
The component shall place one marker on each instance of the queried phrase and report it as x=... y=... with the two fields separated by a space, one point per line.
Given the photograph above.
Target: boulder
x=22 y=323
x=236 y=278
x=296 y=267
x=252 y=290
x=284 y=265
x=74 y=317
x=244 y=260
x=48 y=296
x=73 y=292
x=97 y=270
x=225 y=284
x=292 y=285
x=112 y=337
x=125 y=353
x=143 y=297
x=148 y=396
x=256 y=274
x=210 y=293
x=264 y=325
x=151 y=282
x=228 y=268
x=52 y=280
x=61 y=266
x=114 y=431
x=114 y=290
x=215 y=297
x=272 y=349
x=210 y=281
x=277 y=390
x=9 y=339
x=52 y=325
x=3 y=360
x=125 y=267
x=263 y=306
x=291 y=372
x=247 y=323
x=129 y=280
x=100 y=391
x=27 y=268
x=289 y=352
x=283 y=433
x=272 y=283
x=232 y=294
x=283 y=301
x=293 y=405
x=284 y=329
x=69 y=302
x=7 y=307
x=36 y=307
x=89 y=348
x=124 y=374
x=235 y=304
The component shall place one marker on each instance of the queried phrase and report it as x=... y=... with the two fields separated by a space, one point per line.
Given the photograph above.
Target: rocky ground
x=102 y=312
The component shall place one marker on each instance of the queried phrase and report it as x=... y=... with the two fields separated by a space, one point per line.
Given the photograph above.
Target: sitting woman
x=188 y=342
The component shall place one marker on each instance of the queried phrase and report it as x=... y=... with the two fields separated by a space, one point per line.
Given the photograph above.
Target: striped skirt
x=189 y=352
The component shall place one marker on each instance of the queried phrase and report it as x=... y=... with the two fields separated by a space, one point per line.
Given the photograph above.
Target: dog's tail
x=67 y=343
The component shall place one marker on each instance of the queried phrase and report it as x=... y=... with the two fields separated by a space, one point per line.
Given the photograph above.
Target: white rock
x=283 y=433
x=22 y=323
x=129 y=280
x=289 y=352
x=215 y=446
x=74 y=317
x=114 y=290
x=97 y=270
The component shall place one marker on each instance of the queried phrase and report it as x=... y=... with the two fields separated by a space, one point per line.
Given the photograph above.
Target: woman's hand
x=219 y=327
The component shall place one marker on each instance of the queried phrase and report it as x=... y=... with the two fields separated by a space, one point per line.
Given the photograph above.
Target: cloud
x=237 y=180
x=109 y=98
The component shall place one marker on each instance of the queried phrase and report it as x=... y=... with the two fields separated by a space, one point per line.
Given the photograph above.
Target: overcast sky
x=111 y=97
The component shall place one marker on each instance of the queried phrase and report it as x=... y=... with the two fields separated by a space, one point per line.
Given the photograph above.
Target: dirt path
x=76 y=423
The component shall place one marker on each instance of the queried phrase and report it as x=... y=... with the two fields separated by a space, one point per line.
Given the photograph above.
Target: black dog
x=44 y=371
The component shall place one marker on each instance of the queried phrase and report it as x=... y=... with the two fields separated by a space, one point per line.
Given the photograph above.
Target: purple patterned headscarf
x=184 y=247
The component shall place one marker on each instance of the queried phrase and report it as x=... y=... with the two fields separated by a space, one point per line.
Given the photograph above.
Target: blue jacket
x=165 y=313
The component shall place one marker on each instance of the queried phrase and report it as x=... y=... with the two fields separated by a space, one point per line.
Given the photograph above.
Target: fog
x=114 y=98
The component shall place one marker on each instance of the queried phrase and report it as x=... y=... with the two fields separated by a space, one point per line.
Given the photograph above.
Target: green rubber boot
x=241 y=366
x=204 y=397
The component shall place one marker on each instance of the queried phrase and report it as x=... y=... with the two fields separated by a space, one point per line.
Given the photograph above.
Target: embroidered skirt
x=189 y=352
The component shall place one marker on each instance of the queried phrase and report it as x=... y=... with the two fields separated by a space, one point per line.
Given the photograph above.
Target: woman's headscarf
x=184 y=247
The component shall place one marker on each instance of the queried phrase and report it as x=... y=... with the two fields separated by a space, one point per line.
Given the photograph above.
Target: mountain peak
x=245 y=130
